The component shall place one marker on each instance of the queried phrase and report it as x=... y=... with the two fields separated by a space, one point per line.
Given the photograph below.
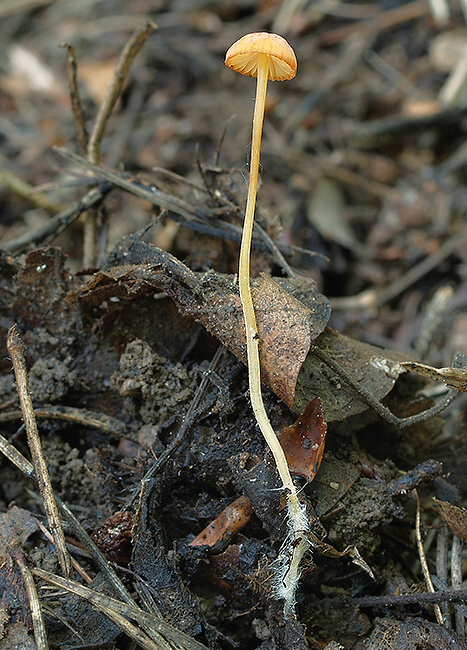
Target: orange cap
x=243 y=56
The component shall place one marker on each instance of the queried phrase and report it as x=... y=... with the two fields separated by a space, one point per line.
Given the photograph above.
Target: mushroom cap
x=243 y=56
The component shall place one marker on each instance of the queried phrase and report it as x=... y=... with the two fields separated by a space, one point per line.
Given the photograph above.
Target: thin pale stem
x=252 y=338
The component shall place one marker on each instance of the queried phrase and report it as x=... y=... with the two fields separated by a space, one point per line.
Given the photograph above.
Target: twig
x=221 y=140
x=40 y=634
x=285 y=14
x=374 y=298
x=192 y=217
x=131 y=49
x=106 y=603
x=435 y=313
x=82 y=136
x=440 y=11
x=17 y=458
x=385 y=20
x=374 y=402
x=15 y=349
x=150 y=194
x=104 y=565
x=101 y=421
x=27 y=191
x=8 y=7
x=74 y=563
x=46 y=233
x=422 y=557
x=456 y=581
x=139 y=637
x=410 y=599
x=442 y=568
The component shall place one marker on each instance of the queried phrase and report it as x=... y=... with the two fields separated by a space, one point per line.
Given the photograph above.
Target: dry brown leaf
x=454 y=516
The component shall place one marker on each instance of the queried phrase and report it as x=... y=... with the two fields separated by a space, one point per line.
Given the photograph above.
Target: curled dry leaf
x=454 y=516
x=232 y=519
x=453 y=377
x=303 y=442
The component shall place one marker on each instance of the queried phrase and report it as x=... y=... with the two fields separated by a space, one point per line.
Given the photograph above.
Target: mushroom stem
x=252 y=338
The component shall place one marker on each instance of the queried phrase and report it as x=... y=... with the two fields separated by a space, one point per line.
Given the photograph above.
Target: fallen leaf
x=297 y=352
x=454 y=516
x=370 y=369
x=327 y=213
x=290 y=313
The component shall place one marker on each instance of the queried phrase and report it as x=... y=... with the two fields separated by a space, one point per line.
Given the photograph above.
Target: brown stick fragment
x=82 y=135
x=131 y=49
x=15 y=349
x=26 y=191
x=232 y=519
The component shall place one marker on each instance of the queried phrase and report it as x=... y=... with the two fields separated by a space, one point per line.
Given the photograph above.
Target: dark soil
x=136 y=361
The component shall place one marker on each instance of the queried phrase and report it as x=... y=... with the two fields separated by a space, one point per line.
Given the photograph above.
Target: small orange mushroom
x=267 y=56
x=264 y=56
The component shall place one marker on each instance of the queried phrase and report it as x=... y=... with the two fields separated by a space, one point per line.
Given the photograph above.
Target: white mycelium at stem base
x=267 y=56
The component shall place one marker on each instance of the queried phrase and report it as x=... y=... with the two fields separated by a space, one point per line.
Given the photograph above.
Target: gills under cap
x=244 y=55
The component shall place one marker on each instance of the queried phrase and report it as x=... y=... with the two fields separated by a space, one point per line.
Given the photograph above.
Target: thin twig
x=15 y=349
x=422 y=557
x=374 y=298
x=150 y=194
x=435 y=313
x=402 y=600
x=384 y=20
x=28 y=192
x=50 y=230
x=374 y=402
x=456 y=581
x=75 y=564
x=442 y=568
x=106 y=604
x=193 y=217
x=79 y=121
x=104 y=565
x=8 y=7
x=221 y=139
x=131 y=49
x=105 y=423
x=17 y=458
x=40 y=634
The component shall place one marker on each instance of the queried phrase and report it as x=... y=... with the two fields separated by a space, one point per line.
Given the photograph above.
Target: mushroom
x=264 y=56
x=267 y=56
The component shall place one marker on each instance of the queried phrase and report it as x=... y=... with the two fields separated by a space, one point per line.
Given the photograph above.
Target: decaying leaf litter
x=362 y=164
